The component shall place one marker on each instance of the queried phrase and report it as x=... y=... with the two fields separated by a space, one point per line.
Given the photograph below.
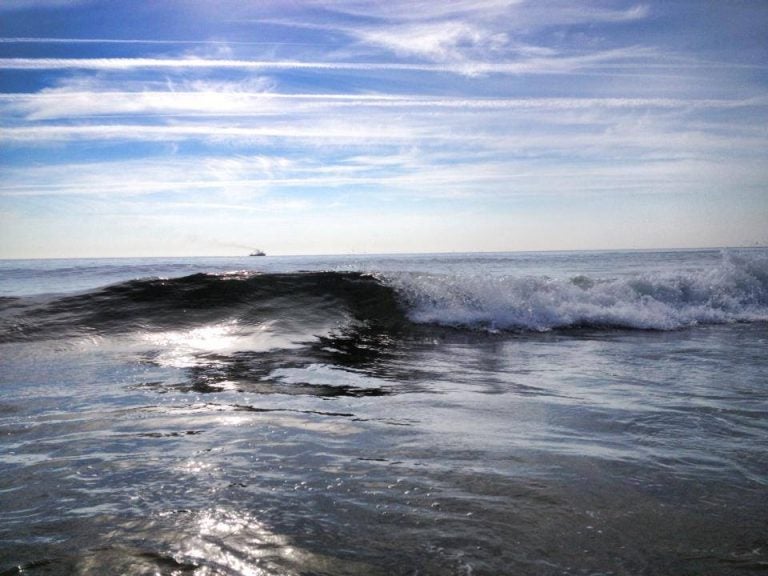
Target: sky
x=191 y=127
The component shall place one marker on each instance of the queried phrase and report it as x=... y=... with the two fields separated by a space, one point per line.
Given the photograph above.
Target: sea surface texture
x=576 y=413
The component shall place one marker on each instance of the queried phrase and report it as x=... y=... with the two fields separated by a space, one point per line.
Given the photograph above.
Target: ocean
x=562 y=413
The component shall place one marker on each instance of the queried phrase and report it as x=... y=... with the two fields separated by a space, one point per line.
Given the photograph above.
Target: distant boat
x=257 y=253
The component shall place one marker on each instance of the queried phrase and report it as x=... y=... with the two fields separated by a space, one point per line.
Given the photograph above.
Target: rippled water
x=313 y=442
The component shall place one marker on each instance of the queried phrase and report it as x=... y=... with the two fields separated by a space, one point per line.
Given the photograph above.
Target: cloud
x=531 y=65
x=556 y=13
x=117 y=64
x=408 y=10
x=134 y=63
x=223 y=182
x=461 y=32
x=594 y=130
x=76 y=99
x=514 y=14
x=326 y=131
x=464 y=37
x=229 y=175
x=147 y=41
x=451 y=41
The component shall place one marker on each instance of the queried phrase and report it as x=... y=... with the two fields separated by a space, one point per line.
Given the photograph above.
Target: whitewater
x=508 y=413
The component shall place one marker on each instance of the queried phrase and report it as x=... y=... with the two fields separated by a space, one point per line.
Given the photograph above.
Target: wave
x=734 y=291
x=300 y=302
x=316 y=303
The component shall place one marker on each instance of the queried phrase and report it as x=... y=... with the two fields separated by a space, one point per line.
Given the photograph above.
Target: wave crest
x=300 y=302
x=734 y=291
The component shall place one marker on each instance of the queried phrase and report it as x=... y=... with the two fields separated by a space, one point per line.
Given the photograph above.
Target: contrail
x=45 y=40
x=133 y=63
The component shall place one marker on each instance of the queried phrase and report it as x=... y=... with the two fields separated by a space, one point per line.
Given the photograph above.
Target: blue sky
x=348 y=126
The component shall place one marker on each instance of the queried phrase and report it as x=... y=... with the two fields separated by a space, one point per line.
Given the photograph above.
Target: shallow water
x=305 y=430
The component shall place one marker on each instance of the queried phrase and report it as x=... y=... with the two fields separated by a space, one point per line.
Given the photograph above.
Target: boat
x=257 y=253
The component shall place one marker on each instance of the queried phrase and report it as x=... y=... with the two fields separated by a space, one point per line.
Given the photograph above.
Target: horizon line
x=756 y=246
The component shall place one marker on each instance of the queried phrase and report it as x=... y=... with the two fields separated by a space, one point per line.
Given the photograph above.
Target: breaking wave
x=736 y=290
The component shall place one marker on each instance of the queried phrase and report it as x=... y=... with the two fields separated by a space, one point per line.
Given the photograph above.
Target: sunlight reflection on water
x=236 y=542
x=181 y=347
x=225 y=541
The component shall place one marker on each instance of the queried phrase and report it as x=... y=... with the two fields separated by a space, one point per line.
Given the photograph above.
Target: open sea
x=572 y=413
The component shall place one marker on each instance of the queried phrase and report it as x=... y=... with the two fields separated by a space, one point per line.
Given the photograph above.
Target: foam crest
x=734 y=290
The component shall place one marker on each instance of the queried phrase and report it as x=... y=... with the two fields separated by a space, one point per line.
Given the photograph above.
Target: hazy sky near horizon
x=192 y=127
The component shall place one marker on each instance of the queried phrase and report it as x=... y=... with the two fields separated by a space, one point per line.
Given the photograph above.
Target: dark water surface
x=411 y=422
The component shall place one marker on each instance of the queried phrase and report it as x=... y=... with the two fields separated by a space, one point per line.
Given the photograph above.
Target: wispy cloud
x=451 y=41
x=460 y=33
x=532 y=65
x=460 y=142
x=216 y=99
x=136 y=63
x=144 y=41
x=229 y=183
x=515 y=14
x=405 y=10
x=328 y=131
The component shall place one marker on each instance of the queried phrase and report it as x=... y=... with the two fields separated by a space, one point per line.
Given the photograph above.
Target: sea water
x=536 y=413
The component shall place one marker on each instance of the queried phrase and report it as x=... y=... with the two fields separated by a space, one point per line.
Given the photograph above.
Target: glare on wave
x=181 y=348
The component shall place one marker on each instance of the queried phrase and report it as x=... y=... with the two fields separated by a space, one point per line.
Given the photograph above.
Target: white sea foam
x=734 y=290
